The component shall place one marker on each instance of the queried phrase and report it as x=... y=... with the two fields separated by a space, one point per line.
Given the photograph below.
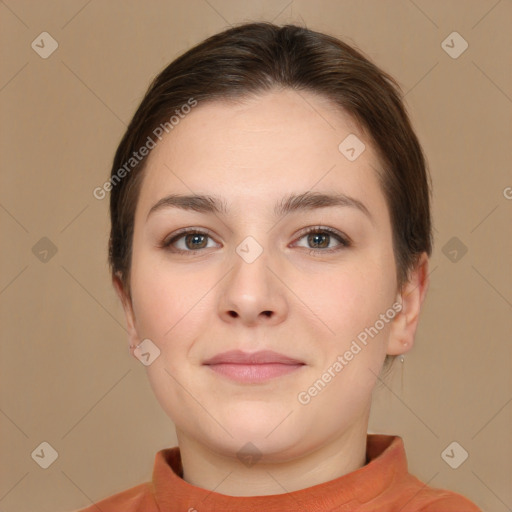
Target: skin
x=253 y=154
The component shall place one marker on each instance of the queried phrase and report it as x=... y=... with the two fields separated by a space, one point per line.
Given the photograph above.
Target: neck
x=225 y=474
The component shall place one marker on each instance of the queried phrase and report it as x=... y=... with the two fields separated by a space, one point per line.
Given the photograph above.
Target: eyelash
x=344 y=241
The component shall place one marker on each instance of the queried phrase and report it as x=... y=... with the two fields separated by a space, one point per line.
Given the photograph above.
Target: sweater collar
x=387 y=462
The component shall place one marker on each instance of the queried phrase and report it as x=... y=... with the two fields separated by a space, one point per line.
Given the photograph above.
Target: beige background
x=67 y=377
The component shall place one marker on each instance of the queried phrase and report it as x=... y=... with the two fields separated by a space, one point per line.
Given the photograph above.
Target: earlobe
x=404 y=325
x=127 y=307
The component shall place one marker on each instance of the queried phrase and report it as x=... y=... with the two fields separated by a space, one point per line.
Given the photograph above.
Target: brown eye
x=195 y=241
x=188 y=241
x=321 y=239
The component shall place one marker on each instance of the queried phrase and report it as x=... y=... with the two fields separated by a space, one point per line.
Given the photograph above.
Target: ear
x=403 y=328
x=126 y=301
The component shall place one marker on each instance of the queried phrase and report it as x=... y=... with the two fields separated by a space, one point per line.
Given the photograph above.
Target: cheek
x=168 y=311
x=348 y=299
x=163 y=303
x=160 y=298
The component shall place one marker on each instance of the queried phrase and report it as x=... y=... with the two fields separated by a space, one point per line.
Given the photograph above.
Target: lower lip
x=253 y=373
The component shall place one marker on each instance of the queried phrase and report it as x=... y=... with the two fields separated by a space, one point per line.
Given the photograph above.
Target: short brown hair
x=253 y=58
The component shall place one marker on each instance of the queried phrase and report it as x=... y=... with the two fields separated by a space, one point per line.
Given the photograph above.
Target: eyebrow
x=292 y=203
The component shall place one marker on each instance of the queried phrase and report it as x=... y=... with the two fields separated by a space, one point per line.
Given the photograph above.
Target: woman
x=270 y=240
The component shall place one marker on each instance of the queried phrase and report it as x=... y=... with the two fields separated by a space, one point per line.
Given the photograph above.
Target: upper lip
x=261 y=357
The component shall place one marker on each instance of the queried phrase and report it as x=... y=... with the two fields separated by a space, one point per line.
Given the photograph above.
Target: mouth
x=253 y=368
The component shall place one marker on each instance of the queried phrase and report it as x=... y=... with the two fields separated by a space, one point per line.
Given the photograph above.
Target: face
x=301 y=278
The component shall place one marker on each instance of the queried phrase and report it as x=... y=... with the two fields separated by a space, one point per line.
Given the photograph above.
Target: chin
x=258 y=447
x=267 y=432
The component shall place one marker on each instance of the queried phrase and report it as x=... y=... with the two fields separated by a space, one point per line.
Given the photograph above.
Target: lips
x=261 y=357
x=254 y=368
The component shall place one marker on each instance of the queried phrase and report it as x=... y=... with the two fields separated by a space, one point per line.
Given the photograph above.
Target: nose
x=251 y=294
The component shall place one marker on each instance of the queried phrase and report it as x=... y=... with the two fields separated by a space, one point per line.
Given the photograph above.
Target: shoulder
x=405 y=490
x=138 y=498
x=431 y=499
x=447 y=501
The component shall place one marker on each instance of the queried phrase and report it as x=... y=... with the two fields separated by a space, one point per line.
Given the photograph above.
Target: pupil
x=315 y=236
x=194 y=239
x=316 y=239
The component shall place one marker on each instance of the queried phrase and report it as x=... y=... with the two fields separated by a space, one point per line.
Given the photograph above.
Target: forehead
x=258 y=150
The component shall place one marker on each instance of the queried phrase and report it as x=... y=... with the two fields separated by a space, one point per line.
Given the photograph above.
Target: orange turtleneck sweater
x=383 y=484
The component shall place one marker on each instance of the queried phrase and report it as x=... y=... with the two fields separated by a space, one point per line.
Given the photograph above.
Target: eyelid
x=344 y=240
x=185 y=231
